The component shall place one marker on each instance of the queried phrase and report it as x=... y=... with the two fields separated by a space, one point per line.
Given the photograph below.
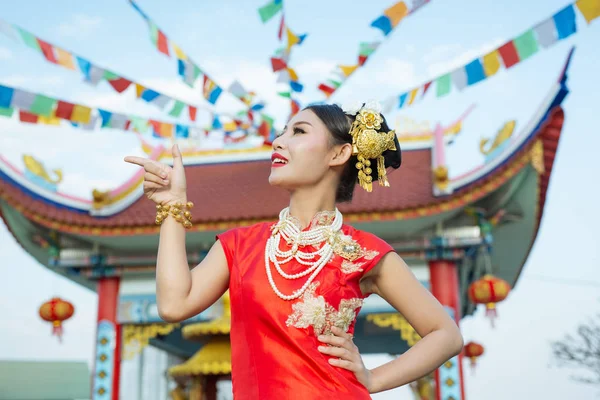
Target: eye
x=299 y=130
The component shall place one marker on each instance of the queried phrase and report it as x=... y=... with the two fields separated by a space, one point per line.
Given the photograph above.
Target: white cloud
x=458 y=58
x=5 y=54
x=79 y=26
x=441 y=52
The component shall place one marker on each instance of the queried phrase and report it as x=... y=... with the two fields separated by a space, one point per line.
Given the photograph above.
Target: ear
x=341 y=155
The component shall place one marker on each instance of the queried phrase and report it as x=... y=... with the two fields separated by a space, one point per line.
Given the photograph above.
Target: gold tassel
x=383 y=181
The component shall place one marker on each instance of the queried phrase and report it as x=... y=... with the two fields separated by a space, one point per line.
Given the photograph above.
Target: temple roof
x=238 y=193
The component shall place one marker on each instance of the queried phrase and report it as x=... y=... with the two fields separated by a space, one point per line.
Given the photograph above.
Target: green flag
x=109 y=76
x=42 y=105
x=139 y=124
x=443 y=85
x=29 y=39
x=526 y=45
x=177 y=108
x=153 y=32
x=285 y=94
x=269 y=10
x=6 y=112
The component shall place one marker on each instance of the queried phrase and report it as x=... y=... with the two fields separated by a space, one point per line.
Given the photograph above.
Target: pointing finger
x=136 y=160
x=177 y=159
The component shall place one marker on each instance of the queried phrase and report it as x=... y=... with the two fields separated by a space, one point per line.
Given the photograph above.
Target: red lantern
x=56 y=311
x=473 y=351
x=489 y=290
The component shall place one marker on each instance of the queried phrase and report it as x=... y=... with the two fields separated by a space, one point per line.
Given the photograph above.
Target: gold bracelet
x=181 y=213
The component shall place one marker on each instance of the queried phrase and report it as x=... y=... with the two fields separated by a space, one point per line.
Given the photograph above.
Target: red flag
x=47 y=50
x=509 y=54
x=162 y=43
x=278 y=64
x=26 y=116
x=426 y=87
x=193 y=111
x=281 y=26
x=326 y=89
x=120 y=84
x=64 y=110
x=362 y=60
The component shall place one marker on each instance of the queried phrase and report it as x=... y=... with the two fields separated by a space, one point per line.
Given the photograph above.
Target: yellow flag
x=166 y=130
x=348 y=70
x=396 y=12
x=229 y=126
x=139 y=89
x=64 y=58
x=81 y=114
x=413 y=95
x=52 y=120
x=491 y=63
x=293 y=75
x=178 y=52
x=589 y=8
x=292 y=39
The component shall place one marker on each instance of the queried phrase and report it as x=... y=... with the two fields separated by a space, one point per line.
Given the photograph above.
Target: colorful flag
x=269 y=10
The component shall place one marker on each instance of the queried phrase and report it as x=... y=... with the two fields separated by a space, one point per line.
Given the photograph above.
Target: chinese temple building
x=458 y=234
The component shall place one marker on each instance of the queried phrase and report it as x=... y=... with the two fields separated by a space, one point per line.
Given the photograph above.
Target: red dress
x=274 y=342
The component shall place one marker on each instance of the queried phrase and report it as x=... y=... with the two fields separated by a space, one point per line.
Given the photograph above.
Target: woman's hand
x=345 y=354
x=163 y=184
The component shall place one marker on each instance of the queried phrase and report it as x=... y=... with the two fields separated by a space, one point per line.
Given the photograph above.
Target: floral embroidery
x=349 y=267
x=314 y=311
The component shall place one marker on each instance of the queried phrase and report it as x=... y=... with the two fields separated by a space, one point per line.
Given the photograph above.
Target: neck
x=306 y=202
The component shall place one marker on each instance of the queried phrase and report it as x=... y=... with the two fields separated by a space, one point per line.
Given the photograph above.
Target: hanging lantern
x=473 y=351
x=489 y=290
x=56 y=310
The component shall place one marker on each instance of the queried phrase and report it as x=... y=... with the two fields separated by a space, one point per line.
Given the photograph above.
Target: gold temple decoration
x=214 y=358
x=36 y=168
x=440 y=177
x=502 y=136
x=398 y=323
x=537 y=157
x=137 y=337
x=369 y=144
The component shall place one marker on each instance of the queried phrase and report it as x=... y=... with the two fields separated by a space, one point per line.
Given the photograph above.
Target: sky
x=559 y=286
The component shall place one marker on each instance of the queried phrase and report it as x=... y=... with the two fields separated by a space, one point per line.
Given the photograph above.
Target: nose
x=278 y=143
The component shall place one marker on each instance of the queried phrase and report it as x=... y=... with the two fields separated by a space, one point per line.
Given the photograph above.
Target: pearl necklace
x=288 y=230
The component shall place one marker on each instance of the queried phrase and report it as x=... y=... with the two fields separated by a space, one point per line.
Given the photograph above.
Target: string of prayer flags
x=93 y=73
x=187 y=69
x=522 y=47
x=386 y=23
x=269 y=10
x=38 y=108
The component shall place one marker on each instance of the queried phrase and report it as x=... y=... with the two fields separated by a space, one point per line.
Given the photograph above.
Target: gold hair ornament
x=368 y=143
x=181 y=213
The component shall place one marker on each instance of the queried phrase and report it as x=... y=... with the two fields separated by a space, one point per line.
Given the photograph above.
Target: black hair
x=338 y=124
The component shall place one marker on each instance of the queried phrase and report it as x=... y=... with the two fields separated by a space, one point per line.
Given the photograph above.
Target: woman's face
x=302 y=153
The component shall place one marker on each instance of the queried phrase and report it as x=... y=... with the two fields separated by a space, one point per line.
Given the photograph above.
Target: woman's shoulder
x=363 y=236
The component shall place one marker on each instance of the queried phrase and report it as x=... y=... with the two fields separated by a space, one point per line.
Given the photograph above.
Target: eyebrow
x=298 y=123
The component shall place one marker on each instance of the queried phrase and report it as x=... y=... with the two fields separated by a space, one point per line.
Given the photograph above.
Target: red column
x=105 y=381
x=443 y=278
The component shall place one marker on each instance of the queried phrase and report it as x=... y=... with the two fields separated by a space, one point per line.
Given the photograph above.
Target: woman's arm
x=182 y=293
x=441 y=339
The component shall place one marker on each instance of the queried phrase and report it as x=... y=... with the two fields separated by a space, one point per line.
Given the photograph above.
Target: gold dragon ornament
x=369 y=144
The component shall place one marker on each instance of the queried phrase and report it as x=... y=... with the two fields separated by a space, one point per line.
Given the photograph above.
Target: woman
x=297 y=285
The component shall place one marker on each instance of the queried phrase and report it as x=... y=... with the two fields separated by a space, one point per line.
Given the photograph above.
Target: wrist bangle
x=181 y=213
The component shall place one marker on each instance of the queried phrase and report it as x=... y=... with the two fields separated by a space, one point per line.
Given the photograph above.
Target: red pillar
x=443 y=277
x=105 y=380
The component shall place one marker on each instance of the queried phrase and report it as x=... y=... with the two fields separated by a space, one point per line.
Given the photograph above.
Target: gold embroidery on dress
x=314 y=311
x=349 y=267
